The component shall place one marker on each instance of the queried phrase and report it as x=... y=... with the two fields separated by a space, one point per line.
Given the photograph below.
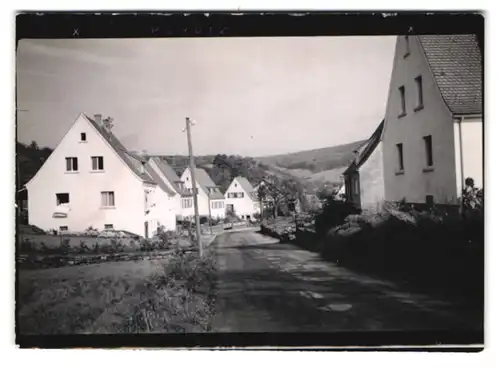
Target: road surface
x=264 y=286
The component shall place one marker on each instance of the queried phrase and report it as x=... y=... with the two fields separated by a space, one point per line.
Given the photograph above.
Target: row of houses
x=92 y=180
x=431 y=138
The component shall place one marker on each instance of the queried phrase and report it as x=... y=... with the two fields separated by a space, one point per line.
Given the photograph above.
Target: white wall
x=164 y=214
x=469 y=144
x=371 y=179
x=203 y=202
x=434 y=119
x=85 y=187
x=242 y=206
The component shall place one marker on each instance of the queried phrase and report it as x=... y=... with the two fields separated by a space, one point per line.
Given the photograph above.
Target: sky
x=248 y=96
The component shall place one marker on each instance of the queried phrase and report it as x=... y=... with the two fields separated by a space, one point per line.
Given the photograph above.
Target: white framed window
x=63 y=228
x=97 y=163
x=107 y=199
x=401 y=165
x=108 y=227
x=71 y=164
x=62 y=198
x=402 y=97
x=420 y=95
x=429 y=160
x=83 y=137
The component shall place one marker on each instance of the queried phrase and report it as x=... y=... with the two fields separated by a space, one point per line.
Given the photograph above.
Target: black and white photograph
x=311 y=189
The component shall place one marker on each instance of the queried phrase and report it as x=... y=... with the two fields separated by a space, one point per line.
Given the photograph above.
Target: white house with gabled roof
x=91 y=180
x=209 y=194
x=241 y=198
x=174 y=186
x=433 y=131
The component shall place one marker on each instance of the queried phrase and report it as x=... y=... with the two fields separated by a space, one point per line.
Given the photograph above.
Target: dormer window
x=83 y=136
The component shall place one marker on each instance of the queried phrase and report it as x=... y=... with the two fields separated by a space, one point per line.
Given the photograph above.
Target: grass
x=173 y=295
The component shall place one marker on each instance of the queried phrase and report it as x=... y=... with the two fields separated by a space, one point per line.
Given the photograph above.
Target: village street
x=264 y=286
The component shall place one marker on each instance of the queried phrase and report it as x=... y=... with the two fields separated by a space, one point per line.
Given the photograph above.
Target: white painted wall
x=163 y=210
x=468 y=135
x=434 y=119
x=242 y=206
x=371 y=179
x=203 y=200
x=85 y=186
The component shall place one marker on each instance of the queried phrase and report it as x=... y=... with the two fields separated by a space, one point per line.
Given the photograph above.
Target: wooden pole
x=209 y=211
x=195 y=190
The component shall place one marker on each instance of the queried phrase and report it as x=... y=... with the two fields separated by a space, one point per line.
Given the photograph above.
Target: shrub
x=333 y=214
x=431 y=248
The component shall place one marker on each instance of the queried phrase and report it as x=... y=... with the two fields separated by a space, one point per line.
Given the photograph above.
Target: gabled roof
x=246 y=186
x=131 y=160
x=366 y=149
x=157 y=179
x=205 y=182
x=169 y=174
x=456 y=63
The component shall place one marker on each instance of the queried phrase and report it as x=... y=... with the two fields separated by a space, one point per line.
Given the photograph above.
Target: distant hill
x=29 y=159
x=316 y=166
x=315 y=160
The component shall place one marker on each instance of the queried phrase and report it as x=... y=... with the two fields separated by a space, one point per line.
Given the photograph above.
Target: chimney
x=98 y=118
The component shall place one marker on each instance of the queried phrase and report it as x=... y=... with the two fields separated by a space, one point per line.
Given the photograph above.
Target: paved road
x=264 y=286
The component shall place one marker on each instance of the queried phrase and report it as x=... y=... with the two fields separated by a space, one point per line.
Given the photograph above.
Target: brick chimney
x=98 y=119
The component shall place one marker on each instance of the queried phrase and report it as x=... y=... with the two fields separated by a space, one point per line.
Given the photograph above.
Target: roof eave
x=467 y=115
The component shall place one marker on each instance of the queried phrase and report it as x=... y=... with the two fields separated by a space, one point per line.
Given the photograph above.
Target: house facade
x=433 y=129
x=183 y=206
x=211 y=202
x=242 y=199
x=364 y=178
x=91 y=180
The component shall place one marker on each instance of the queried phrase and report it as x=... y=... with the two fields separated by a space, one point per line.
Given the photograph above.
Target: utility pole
x=195 y=189
x=210 y=189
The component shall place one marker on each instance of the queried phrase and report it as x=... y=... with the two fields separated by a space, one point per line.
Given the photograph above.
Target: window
x=97 y=163
x=146 y=199
x=429 y=200
x=187 y=203
x=83 y=136
x=63 y=228
x=62 y=198
x=407 y=46
x=108 y=199
x=402 y=96
x=420 y=96
x=401 y=166
x=235 y=184
x=428 y=151
x=108 y=227
x=355 y=186
x=71 y=164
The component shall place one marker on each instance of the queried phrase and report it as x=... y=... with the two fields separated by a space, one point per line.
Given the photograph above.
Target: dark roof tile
x=456 y=63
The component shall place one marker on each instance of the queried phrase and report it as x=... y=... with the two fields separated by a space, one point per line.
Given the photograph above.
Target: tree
x=282 y=192
x=34 y=145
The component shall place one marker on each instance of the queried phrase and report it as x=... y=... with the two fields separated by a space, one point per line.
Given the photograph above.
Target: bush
x=334 y=213
x=430 y=249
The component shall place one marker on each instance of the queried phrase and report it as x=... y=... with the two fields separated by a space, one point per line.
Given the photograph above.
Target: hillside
x=315 y=160
x=29 y=159
x=315 y=166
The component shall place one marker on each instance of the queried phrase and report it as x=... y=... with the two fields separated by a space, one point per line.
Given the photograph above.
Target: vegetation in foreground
x=431 y=250
x=171 y=295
